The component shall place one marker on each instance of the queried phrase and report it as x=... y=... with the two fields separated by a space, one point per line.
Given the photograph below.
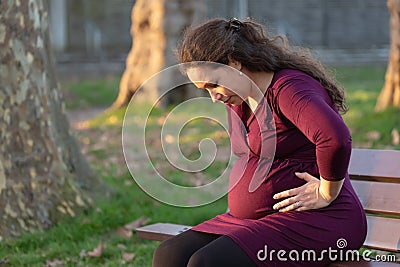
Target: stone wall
x=325 y=24
x=96 y=27
x=102 y=21
x=101 y=26
x=96 y=32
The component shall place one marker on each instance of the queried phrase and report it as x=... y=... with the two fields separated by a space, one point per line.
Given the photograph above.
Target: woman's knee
x=222 y=252
x=177 y=250
x=167 y=254
x=199 y=258
x=161 y=254
x=174 y=251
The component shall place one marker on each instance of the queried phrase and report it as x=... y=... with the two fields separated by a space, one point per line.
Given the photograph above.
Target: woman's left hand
x=305 y=197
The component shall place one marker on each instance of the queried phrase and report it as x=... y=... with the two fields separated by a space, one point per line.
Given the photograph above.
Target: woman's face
x=223 y=83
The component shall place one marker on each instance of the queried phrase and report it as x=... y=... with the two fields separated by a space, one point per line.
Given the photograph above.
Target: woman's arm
x=304 y=102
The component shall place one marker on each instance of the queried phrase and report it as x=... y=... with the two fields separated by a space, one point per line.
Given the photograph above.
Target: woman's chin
x=236 y=102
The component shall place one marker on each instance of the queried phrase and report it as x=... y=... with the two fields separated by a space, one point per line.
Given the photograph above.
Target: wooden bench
x=375 y=176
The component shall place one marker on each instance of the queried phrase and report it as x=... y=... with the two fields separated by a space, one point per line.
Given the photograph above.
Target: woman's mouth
x=226 y=101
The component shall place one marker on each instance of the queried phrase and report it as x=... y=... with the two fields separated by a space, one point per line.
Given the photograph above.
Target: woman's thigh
x=223 y=251
x=176 y=251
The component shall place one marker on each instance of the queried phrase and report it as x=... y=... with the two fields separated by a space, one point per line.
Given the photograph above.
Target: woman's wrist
x=329 y=190
x=328 y=199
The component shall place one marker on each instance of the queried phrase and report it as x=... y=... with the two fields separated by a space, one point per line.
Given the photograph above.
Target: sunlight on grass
x=362 y=86
x=362 y=96
x=108 y=118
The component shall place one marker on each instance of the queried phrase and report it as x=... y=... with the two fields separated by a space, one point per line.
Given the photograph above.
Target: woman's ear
x=234 y=63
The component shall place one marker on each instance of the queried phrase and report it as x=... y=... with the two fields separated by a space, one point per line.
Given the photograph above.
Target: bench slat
x=378 y=198
x=375 y=165
x=160 y=231
x=394 y=180
x=383 y=233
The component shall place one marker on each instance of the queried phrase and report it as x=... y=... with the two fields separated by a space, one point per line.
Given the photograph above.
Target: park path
x=77 y=117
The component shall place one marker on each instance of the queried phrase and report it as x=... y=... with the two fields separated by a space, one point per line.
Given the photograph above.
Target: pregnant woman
x=296 y=208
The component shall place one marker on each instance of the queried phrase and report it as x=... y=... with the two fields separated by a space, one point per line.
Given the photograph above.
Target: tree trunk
x=43 y=175
x=390 y=94
x=156 y=28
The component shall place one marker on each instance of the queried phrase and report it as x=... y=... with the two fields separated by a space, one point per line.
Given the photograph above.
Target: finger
x=302 y=208
x=305 y=176
x=287 y=193
x=293 y=206
x=284 y=203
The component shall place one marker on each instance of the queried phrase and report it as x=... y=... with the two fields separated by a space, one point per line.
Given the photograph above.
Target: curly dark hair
x=249 y=43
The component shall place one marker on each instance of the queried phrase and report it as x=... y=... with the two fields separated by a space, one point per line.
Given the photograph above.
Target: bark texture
x=156 y=28
x=390 y=94
x=43 y=175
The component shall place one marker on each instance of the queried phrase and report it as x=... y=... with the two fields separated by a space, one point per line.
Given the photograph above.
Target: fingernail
x=274 y=207
x=274 y=197
x=297 y=173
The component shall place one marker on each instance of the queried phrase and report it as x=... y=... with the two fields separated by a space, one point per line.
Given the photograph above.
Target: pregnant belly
x=253 y=205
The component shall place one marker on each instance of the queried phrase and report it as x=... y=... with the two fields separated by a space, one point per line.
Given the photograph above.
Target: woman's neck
x=261 y=82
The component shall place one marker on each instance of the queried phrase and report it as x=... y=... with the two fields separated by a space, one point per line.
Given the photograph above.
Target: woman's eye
x=211 y=85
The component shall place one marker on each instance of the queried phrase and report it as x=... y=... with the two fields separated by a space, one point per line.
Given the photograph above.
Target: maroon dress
x=310 y=136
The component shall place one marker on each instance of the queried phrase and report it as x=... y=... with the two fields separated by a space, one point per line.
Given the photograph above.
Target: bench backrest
x=375 y=176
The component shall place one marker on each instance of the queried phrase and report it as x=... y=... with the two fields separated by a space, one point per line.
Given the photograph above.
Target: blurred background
x=90 y=37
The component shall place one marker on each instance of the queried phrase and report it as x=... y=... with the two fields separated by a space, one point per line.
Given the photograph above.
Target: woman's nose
x=215 y=97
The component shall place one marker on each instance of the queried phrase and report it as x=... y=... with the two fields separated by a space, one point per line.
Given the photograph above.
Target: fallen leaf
x=128 y=256
x=95 y=253
x=54 y=262
x=121 y=246
x=86 y=221
x=126 y=230
x=128 y=182
x=136 y=223
x=123 y=232
x=4 y=260
x=82 y=253
x=79 y=201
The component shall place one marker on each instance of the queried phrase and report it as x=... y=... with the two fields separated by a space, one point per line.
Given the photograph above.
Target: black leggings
x=194 y=249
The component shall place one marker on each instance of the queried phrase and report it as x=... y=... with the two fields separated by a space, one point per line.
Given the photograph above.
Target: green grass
x=90 y=93
x=68 y=238
x=363 y=85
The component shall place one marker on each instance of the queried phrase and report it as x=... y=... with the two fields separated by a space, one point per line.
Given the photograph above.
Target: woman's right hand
x=306 y=197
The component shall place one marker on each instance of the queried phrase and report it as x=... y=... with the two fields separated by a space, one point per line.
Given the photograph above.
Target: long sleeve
x=306 y=104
